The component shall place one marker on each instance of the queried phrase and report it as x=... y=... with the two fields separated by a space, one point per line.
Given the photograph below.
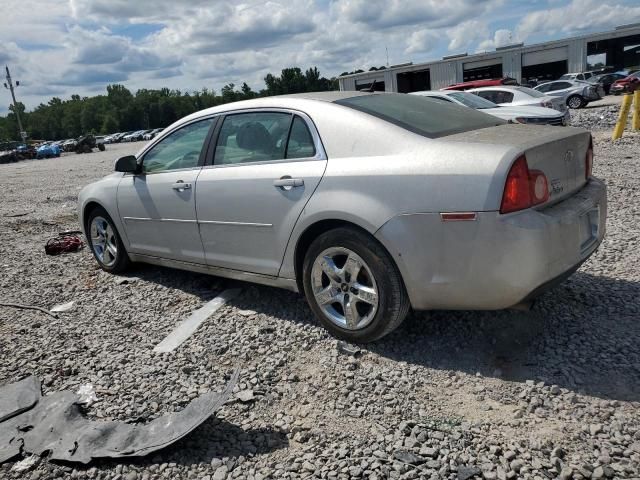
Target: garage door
x=545 y=56
x=482 y=63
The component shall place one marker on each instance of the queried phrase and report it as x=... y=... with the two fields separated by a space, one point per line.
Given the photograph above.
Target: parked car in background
x=519 y=96
x=48 y=150
x=627 y=84
x=134 y=136
x=151 y=134
x=408 y=202
x=69 y=145
x=576 y=94
x=576 y=76
x=482 y=83
x=606 y=80
x=518 y=114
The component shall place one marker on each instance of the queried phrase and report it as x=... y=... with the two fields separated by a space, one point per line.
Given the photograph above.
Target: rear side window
x=252 y=137
x=300 y=144
x=419 y=114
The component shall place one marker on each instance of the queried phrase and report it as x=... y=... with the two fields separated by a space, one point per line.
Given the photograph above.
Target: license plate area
x=589 y=225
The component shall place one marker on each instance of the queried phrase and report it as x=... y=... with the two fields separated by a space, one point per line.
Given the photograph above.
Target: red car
x=626 y=85
x=482 y=83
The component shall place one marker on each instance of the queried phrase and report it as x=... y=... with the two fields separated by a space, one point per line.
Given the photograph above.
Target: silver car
x=576 y=94
x=518 y=96
x=369 y=203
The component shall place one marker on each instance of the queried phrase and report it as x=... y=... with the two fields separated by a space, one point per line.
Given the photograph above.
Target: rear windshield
x=531 y=92
x=421 y=115
x=473 y=101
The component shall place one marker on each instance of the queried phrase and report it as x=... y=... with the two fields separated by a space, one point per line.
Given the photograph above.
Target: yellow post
x=635 y=124
x=622 y=119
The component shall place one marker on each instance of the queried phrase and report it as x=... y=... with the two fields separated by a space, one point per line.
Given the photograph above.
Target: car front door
x=266 y=166
x=157 y=206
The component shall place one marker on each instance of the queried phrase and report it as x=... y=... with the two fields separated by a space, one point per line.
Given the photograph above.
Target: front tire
x=353 y=286
x=575 y=101
x=105 y=242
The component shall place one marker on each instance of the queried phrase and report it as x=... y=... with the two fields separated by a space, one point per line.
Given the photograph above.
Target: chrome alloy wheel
x=344 y=288
x=575 y=102
x=103 y=241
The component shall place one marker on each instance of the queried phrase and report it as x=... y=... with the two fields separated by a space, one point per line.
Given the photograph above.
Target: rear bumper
x=498 y=260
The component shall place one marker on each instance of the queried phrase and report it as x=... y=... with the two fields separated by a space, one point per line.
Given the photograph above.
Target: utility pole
x=9 y=85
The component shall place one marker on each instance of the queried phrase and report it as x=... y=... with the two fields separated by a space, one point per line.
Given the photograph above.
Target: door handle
x=289 y=182
x=181 y=186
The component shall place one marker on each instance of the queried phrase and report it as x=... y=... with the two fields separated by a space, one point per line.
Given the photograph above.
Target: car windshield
x=596 y=78
x=567 y=76
x=420 y=115
x=471 y=100
x=531 y=92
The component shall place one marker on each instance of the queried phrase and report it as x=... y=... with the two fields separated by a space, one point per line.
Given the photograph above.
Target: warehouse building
x=618 y=48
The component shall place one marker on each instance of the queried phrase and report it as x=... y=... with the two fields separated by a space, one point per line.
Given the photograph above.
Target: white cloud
x=500 y=38
x=578 y=16
x=466 y=33
x=63 y=47
x=432 y=13
x=422 y=41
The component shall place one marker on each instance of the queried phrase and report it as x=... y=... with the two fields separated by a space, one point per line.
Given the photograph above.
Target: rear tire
x=362 y=297
x=105 y=242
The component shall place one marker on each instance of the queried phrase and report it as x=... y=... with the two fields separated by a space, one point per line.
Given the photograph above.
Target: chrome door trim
x=239 y=224
x=286 y=283
x=145 y=219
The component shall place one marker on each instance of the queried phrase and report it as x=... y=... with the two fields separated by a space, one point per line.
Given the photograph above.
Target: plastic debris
x=63 y=244
x=26 y=464
x=63 y=307
x=349 y=349
x=87 y=394
x=56 y=425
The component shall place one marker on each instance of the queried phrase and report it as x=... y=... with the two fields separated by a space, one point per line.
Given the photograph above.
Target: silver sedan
x=369 y=203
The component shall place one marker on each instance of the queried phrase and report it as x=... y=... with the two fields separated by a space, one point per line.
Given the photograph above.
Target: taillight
x=588 y=160
x=524 y=188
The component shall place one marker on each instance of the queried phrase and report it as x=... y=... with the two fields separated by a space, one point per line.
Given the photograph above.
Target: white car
x=576 y=76
x=516 y=114
x=519 y=96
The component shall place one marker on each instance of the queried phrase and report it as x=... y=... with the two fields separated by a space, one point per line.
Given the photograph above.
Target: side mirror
x=127 y=164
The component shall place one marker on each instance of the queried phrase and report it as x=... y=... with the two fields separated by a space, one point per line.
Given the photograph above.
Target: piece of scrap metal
x=19 y=397
x=56 y=425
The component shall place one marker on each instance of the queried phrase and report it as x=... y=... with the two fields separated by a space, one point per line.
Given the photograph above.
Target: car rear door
x=265 y=167
x=157 y=206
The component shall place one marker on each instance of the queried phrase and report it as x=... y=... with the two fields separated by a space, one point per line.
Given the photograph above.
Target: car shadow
x=214 y=439
x=582 y=335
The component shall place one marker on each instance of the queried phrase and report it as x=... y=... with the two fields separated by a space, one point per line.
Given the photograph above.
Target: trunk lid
x=557 y=152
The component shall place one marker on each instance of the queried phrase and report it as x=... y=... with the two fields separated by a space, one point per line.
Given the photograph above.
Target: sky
x=65 y=47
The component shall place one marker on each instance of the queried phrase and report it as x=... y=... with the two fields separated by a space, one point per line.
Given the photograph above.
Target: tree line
x=121 y=110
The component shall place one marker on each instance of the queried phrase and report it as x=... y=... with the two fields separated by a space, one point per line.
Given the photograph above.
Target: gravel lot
x=551 y=393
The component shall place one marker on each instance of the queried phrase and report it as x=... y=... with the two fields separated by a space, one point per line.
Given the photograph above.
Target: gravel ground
x=551 y=393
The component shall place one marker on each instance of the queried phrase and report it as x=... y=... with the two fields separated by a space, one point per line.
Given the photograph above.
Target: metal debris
x=56 y=425
x=19 y=397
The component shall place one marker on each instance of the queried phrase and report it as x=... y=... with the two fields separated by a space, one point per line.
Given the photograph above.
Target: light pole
x=9 y=86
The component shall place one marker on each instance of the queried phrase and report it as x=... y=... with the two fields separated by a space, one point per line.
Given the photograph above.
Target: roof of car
x=332 y=96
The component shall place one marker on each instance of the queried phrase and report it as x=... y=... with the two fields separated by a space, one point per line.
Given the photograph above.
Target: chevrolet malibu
x=369 y=203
